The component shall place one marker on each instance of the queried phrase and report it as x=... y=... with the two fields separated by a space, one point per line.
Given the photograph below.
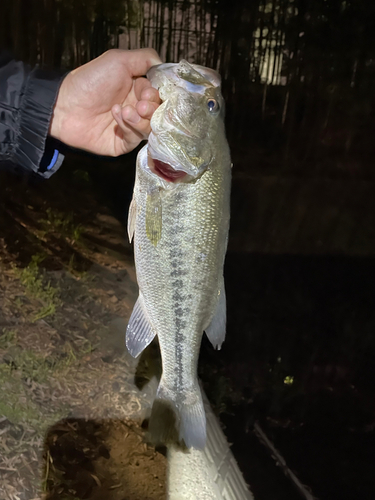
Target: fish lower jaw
x=165 y=171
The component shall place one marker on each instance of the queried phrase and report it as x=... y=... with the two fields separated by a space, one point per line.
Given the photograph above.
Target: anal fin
x=217 y=328
x=139 y=333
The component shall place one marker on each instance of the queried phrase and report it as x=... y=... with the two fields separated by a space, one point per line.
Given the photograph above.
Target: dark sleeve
x=27 y=98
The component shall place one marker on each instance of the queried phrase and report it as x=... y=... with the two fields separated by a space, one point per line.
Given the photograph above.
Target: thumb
x=139 y=61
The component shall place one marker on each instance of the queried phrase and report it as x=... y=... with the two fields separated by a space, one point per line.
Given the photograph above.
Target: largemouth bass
x=179 y=218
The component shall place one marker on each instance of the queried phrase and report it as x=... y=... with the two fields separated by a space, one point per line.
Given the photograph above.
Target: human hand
x=104 y=106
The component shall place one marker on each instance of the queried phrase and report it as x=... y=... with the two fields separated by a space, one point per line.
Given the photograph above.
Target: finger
x=138 y=123
x=141 y=85
x=144 y=91
x=150 y=94
x=146 y=109
x=130 y=121
x=139 y=61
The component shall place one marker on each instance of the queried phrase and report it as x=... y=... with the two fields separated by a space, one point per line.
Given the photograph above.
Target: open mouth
x=165 y=171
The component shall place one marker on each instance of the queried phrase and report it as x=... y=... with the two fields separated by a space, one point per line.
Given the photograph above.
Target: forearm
x=27 y=99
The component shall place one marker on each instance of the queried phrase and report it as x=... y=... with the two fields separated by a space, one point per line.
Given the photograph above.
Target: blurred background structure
x=302 y=69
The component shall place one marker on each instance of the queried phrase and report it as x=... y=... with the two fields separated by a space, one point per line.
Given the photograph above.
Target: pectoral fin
x=153 y=216
x=217 y=328
x=139 y=333
x=131 y=219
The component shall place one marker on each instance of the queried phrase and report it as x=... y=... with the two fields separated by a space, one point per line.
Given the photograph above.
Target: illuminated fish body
x=179 y=218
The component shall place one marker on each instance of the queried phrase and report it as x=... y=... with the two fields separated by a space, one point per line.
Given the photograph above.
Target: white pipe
x=210 y=474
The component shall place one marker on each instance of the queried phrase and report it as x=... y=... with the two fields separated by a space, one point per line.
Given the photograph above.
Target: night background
x=298 y=78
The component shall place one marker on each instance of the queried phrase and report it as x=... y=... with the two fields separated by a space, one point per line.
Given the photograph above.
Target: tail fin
x=178 y=417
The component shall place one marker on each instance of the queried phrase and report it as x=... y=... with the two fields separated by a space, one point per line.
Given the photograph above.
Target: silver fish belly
x=179 y=217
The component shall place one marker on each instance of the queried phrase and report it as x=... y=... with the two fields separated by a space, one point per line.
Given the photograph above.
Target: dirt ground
x=70 y=412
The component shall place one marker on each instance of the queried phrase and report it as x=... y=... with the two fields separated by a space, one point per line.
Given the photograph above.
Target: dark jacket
x=27 y=98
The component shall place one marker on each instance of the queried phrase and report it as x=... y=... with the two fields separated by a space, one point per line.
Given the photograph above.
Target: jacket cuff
x=36 y=109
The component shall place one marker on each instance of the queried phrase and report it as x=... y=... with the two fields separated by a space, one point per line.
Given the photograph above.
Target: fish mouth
x=165 y=170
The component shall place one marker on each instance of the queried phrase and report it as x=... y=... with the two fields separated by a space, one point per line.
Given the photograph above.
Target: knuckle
x=153 y=52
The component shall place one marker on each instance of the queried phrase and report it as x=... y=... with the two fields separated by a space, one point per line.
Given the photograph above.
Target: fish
x=179 y=222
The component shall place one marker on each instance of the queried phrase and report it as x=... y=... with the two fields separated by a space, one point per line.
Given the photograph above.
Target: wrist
x=58 y=114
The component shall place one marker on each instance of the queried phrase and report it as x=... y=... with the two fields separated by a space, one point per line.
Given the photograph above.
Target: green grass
x=81 y=175
x=59 y=222
x=37 y=287
x=15 y=401
x=20 y=366
x=47 y=310
x=7 y=338
x=28 y=364
x=23 y=370
x=73 y=268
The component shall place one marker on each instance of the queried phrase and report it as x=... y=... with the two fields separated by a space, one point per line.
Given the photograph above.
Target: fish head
x=188 y=126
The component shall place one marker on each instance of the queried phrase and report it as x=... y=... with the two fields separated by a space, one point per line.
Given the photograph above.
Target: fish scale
x=180 y=237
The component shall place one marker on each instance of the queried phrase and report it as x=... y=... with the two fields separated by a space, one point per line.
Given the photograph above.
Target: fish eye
x=213 y=105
